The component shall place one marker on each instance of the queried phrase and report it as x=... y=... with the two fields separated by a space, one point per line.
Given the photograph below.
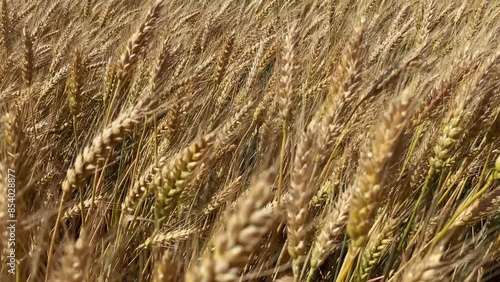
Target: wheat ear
x=330 y=234
x=373 y=254
x=368 y=185
x=245 y=228
x=74 y=263
x=165 y=269
x=137 y=42
x=299 y=196
x=222 y=195
x=173 y=177
x=87 y=161
x=28 y=59
x=345 y=83
x=112 y=135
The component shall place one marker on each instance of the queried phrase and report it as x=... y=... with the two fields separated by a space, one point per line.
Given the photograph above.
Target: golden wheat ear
x=244 y=231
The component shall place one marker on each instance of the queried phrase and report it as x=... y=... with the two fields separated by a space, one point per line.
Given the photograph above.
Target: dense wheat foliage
x=250 y=140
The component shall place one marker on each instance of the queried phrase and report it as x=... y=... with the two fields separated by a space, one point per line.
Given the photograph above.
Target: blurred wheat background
x=251 y=140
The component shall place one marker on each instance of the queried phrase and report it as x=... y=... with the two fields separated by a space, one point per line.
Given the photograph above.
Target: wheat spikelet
x=325 y=190
x=485 y=205
x=230 y=129
x=61 y=47
x=265 y=11
x=476 y=21
x=442 y=89
x=41 y=28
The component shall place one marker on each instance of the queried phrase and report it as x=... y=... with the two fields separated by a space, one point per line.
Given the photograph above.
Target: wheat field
x=250 y=140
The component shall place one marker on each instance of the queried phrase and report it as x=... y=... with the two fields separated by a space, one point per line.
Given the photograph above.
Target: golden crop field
x=250 y=140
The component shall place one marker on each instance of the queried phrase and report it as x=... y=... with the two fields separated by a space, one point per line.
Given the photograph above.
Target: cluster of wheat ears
x=251 y=140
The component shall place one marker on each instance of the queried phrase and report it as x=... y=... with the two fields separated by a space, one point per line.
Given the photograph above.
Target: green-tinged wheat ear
x=331 y=232
x=172 y=178
x=368 y=188
x=372 y=255
x=74 y=263
x=450 y=133
x=324 y=192
x=244 y=231
x=75 y=84
x=28 y=59
x=166 y=268
x=86 y=162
